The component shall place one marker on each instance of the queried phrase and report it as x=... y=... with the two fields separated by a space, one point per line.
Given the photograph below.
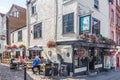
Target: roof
x=2 y=14
x=18 y=29
x=17 y=7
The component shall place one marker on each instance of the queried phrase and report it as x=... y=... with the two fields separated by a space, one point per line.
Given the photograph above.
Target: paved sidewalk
x=113 y=75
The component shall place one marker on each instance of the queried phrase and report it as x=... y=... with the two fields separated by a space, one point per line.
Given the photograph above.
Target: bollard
x=25 y=66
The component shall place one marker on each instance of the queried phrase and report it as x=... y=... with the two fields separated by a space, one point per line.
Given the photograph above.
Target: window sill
x=68 y=1
x=68 y=33
x=20 y=40
x=37 y=38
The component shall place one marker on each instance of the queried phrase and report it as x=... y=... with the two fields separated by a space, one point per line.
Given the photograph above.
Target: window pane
x=38 y=30
x=68 y=22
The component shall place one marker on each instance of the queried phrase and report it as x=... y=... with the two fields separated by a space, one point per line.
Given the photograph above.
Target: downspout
x=56 y=22
x=28 y=24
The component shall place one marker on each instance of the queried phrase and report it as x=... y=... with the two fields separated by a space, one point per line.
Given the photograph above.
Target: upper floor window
x=111 y=1
x=68 y=23
x=13 y=38
x=118 y=21
x=118 y=2
x=38 y=30
x=112 y=16
x=20 y=35
x=33 y=8
x=15 y=14
x=95 y=26
x=96 y=4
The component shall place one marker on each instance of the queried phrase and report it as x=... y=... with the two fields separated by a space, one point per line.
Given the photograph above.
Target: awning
x=9 y=50
x=35 y=48
x=18 y=49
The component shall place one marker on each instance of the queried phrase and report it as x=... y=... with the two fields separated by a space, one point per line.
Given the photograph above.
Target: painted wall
x=14 y=39
x=0 y=33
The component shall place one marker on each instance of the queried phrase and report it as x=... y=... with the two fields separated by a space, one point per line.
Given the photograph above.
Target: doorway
x=91 y=63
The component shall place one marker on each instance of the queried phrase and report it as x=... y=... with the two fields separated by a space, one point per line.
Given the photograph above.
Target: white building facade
x=65 y=20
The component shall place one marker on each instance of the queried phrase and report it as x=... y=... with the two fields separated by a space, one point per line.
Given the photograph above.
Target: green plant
x=88 y=58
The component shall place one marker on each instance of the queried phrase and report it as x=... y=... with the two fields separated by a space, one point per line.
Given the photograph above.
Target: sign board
x=85 y=24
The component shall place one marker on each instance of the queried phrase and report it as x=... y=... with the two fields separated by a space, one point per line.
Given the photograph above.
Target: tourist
x=36 y=64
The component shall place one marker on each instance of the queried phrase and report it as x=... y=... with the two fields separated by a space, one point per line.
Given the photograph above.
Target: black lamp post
x=25 y=66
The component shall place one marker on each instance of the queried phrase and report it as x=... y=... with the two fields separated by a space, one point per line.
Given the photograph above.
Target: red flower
x=8 y=47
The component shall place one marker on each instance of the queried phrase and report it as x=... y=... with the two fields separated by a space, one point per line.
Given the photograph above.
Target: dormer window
x=15 y=14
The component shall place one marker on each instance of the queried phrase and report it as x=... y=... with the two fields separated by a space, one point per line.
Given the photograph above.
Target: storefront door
x=91 y=63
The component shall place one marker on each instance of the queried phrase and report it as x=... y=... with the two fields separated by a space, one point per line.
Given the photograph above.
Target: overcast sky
x=5 y=5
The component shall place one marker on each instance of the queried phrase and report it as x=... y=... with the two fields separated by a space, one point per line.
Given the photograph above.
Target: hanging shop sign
x=85 y=24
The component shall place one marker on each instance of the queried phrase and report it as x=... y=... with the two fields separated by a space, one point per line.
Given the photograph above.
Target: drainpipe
x=28 y=23
x=56 y=21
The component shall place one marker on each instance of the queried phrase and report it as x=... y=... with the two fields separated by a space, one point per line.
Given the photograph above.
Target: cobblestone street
x=7 y=74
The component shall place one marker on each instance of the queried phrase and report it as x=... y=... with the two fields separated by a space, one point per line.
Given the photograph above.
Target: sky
x=5 y=5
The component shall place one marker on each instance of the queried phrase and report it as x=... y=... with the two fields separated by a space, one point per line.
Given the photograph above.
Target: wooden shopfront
x=86 y=56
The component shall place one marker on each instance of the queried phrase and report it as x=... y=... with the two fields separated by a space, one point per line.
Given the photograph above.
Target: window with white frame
x=112 y=16
x=96 y=4
x=15 y=14
x=33 y=8
x=38 y=30
x=68 y=23
x=13 y=38
x=118 y=2
x=20 y=35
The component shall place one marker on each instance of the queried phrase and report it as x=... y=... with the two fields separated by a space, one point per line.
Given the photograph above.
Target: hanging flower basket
x=51 y=44
x=22 y=46
x=14 y=47
x=8 y=47
x=82 y=36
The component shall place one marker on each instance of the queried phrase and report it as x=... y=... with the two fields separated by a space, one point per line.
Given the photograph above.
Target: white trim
x=98 y=65
x=80 y=69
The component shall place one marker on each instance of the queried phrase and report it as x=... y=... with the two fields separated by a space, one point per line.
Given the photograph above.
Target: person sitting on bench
x=36 y=64
x=13 y=63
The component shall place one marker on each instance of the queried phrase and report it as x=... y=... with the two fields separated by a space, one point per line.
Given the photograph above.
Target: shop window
x=68 y=23
x=95 y=26
x=38 y=30
x=96 y=4
x=19 y=36
x=79 y=58
x=33 y=8
x=98 y=56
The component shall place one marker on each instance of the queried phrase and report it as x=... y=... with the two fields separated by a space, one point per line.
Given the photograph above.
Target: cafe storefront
x=83 y=57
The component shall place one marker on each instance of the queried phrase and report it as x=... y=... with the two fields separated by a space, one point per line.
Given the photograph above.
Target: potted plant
x=22 y=46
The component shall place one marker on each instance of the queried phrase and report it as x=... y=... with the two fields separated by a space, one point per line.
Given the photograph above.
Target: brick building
x=15 y=19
